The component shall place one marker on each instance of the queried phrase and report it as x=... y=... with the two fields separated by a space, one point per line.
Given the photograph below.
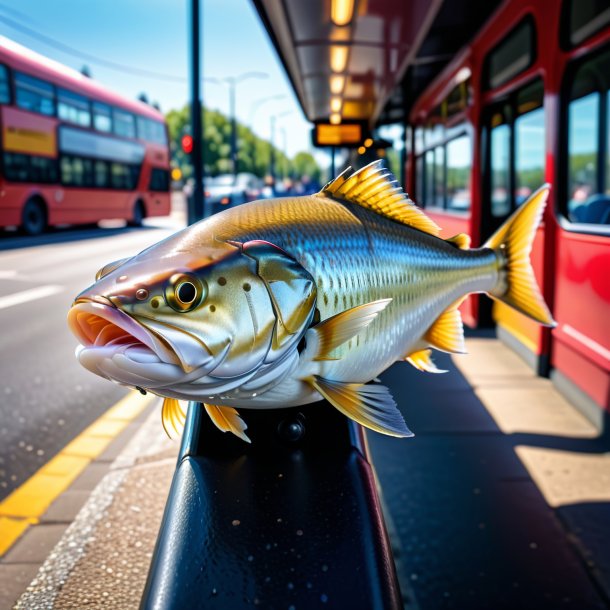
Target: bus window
x=5 y=92
x=583 y=145
x=500 y=170
x=124 y=124
x=583 y=18
x=101 y=175
x=76 y=171
x=102 y=117
x=429 y=188
x=73 y=108
x=529 y=154
x=459 y=163
x=159 y=180
x=588 y=175
x=439 y=177
x=34 y=94
x=515 y=54
x=28 y=168
x=123 y=176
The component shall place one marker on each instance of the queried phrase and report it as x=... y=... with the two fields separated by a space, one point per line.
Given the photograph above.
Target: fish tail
x=512 y=243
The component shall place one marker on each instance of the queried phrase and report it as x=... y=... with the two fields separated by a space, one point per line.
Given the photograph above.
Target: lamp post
x=195 y=208
x=256 y=104
x=233 y=81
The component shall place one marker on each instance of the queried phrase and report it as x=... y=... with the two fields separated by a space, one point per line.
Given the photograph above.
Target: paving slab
x=35 y=545
x=14 y=578
x=66 y=507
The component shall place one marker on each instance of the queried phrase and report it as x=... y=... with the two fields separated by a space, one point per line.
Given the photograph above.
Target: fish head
x=169 y=316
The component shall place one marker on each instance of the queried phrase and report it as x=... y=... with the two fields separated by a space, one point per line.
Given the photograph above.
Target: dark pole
x=232 y=84
x=332 y=163
x=195 y=211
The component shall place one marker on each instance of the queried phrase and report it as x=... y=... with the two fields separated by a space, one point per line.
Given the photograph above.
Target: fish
x=285 y=302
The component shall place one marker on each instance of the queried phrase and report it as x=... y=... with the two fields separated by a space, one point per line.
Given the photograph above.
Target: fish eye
x=185 y=292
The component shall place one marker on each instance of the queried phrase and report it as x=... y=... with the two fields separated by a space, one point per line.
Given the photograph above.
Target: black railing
x=292 y=520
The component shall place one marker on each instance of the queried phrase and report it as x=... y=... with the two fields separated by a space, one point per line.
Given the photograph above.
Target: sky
x=153 y=35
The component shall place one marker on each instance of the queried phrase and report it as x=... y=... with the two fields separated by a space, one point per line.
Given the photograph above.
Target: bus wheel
x=34 y=217
x=139 y=213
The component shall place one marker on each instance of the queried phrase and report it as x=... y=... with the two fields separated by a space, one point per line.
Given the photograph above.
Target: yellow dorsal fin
x=332 y=332
x=227 y=419
x=461 y=241
x=370 y=405
x=447 y=332
x=172 y=417
x=375 y=187
x=422 y=360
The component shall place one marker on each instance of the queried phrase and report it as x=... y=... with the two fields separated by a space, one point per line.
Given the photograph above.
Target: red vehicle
x=527 y=102
x=73 y=152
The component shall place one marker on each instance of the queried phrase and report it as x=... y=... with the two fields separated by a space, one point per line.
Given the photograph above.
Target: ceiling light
x=341 y=11
x=361 y=150
x=338 y=58
x=335 y=118
x=368 y=142
x=335 y=104
x=336 y=84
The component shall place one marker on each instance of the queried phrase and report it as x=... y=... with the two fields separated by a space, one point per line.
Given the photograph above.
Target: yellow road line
x=27 y=503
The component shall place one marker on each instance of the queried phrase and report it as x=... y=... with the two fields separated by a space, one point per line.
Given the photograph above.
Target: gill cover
x=291 y=288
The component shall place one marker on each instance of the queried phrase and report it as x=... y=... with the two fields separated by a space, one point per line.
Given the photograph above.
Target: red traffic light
x=187 y=144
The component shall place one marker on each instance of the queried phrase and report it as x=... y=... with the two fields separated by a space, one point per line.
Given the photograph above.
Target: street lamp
x=256 y=104
x=233 y=81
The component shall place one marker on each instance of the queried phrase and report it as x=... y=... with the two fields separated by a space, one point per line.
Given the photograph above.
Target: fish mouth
x=99 y=325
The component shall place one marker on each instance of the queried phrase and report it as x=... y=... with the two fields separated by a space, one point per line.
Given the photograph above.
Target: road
x=46 y=397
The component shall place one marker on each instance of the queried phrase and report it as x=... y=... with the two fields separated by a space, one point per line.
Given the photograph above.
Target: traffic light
x=187 y=144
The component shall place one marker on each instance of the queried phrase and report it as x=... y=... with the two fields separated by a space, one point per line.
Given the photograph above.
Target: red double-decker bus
x=73 y=152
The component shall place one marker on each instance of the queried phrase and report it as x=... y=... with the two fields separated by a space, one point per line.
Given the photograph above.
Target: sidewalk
x=501 y=500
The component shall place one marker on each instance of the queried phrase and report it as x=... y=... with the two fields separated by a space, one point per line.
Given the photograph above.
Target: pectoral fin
x=332 y=332
x=447 y=333
x=227 y=419
x=422 y=360
x=369 y=405
x=172 y=417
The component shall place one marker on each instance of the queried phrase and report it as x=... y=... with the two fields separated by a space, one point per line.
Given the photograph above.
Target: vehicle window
x=588 y=163
x=34 y=94
x=73 y=108
x=159 y=180
x=500 y=170
x=584 y=18
x=124 y=176
x=583 y=154
x=529 y=154
x=155 y=131
x=429 y=189
x=5 y=91
x=512 y=56
x=102 y=117
x=28 y=168
x=124 y=124
x=459 y=164
x=76 y=171
x=439 y=177
x=101 y=174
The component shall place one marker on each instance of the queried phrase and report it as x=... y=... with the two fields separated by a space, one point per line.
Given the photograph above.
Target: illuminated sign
x=348 y=135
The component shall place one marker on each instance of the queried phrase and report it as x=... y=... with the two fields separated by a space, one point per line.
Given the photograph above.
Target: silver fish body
x=282 y=302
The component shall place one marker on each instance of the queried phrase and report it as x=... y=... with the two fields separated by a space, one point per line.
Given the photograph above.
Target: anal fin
x=371 y=406
x=447 y=332
x=422 y=360
x=172 y=417
x=227 y=419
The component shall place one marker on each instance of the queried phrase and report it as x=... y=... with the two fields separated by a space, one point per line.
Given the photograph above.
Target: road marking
x=17 y=298
x=28 y=503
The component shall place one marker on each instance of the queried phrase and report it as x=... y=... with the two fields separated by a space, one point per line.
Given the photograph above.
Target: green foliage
x=253 y=153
